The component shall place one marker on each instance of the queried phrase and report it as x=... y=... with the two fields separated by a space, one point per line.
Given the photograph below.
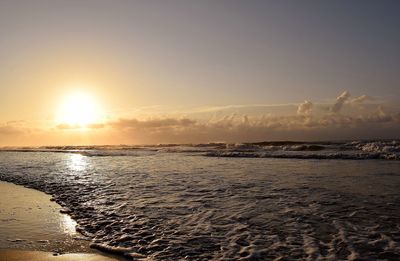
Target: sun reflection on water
x=77 y=162
x=68 y=225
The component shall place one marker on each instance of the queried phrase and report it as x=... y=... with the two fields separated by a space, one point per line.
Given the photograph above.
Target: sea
x=334 y=200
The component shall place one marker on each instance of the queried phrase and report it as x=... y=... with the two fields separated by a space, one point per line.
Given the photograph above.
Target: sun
x=78 y=109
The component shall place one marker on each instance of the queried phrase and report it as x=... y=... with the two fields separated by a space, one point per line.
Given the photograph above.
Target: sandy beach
x=33 y=228
x=17 y=255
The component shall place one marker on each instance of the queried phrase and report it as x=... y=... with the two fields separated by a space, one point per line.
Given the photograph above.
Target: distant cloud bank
x=344 y=118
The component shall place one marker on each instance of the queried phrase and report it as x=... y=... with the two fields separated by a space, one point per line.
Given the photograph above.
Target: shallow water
x=171 y=205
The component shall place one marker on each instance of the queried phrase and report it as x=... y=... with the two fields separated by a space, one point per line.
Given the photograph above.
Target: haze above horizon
x=143 y=72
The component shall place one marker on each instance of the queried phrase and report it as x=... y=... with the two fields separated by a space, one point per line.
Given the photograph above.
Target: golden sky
x=112 y=72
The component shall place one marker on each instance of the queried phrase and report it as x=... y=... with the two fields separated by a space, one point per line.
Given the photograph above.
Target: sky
x=109 y=72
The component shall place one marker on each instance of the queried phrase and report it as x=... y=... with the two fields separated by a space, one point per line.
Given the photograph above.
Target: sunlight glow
x=68 y=224
x=77 y=162
x=79 y=109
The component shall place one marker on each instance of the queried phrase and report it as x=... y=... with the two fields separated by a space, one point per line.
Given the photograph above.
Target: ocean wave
x=343 y=156
x=355 y=150
x=175 y=207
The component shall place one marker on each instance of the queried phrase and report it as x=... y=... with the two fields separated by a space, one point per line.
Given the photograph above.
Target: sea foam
x=169 y=205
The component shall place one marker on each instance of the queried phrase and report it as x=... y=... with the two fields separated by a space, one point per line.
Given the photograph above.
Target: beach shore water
x=32 y=228
x=181 y=205
x=18 y=255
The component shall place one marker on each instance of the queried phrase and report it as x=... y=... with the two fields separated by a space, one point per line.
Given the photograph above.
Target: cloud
x=240 y=107
x=152 y=123
x=13 y=128
x=305 y=108
x=381 y=116
x=306 y=122
x=96 y=125
x=14 y=131
x=65 y=126
x=237 y=128
x=340 y=100
x=9 y=130
x=361 y=99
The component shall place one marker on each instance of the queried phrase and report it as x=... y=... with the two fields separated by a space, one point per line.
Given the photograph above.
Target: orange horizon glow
x=139 y=72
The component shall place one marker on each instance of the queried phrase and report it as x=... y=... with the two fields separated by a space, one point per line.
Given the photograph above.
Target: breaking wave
x=347 y=150
x=172 y=203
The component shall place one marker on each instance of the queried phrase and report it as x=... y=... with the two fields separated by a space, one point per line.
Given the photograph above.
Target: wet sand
x=18 y=255
x=30 y=221
x=32 y=228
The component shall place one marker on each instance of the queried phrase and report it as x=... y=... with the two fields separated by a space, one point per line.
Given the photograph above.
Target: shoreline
x=17 y=255
x=33 y=228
